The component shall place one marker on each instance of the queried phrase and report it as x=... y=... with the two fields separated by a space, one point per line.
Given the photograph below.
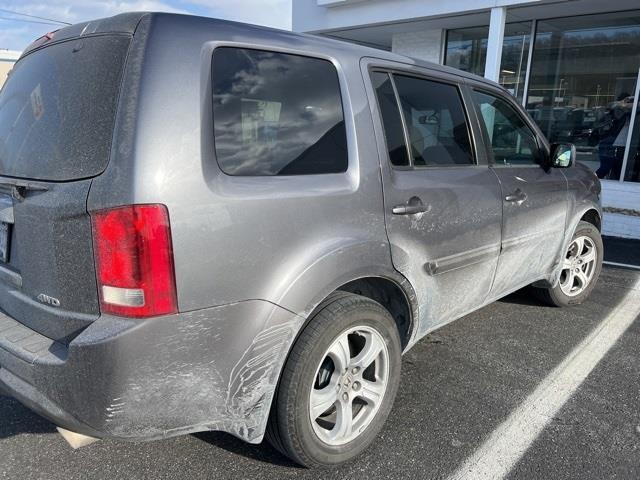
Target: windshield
x=58 y=107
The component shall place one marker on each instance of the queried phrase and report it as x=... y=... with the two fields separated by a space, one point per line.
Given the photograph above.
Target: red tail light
x=134 y=261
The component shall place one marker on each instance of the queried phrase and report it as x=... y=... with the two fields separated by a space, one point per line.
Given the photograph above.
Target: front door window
x=512 y=142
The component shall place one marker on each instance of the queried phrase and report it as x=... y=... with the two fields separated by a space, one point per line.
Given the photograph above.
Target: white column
x=494 y=44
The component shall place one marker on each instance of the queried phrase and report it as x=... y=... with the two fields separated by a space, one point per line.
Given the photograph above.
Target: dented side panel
x=533 y=230
x=449 y=253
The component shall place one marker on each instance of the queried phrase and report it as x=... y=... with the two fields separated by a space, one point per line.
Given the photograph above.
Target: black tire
x=290 y=427
x=554 y=296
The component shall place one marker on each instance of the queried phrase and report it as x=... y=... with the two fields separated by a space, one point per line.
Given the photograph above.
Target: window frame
x=542 y=148
x=347 y=116
x=382 y=122
x=457 y=84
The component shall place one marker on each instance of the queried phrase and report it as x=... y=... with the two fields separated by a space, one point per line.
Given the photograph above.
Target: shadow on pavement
x=263 y=452
x=524 y=296
x=17 y=419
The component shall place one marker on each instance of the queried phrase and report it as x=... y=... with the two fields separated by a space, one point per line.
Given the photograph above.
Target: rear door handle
x=408 y=209
x=518 y=197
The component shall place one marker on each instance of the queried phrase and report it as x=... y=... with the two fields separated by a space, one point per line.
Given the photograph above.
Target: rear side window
x=436 y=122
x=58 y=108
x=277 y=114
x=391 y=119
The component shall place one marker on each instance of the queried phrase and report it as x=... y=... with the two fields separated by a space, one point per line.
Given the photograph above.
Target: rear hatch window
x=58 y=107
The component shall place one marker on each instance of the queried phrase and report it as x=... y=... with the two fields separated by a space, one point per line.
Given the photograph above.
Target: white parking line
x=508 y=443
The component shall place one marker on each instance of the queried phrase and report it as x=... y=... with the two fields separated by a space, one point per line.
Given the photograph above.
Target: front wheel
x=338 y=384
x=581 y=266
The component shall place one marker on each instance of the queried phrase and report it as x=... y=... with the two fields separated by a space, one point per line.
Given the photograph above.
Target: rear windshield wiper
x=18 y=188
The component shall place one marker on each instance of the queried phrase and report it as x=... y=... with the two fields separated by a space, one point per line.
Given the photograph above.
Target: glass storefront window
x=632 y=172
x=466 y=49
x=583 y=78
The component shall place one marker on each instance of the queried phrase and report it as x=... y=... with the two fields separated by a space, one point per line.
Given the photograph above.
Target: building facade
x=7 y=59
x=574 y=65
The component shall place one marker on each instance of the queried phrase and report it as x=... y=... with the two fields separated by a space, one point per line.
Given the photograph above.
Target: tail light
x=134 y=261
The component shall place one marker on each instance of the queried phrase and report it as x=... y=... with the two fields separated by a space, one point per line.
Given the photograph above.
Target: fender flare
x=571 y=228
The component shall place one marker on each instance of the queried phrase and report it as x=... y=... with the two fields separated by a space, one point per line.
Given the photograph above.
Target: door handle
x=518 y=197
x=413 y=206
x=408 y=209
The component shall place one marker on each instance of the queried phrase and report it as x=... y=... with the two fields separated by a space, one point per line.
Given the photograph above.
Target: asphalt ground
x=622 y=250
x=458 y=386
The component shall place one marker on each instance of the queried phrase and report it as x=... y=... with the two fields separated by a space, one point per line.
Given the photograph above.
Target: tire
x=310 y=371
x=560 y=295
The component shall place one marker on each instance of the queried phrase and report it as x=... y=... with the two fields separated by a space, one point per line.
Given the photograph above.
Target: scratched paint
x=226 y=388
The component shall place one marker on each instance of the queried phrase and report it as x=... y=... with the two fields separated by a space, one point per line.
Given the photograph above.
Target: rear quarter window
x=277 y=114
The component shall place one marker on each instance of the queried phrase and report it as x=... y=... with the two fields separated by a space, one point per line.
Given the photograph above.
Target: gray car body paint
x=255 y=256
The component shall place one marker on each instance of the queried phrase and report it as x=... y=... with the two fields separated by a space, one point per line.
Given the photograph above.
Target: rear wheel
x=338 y=384
x=581 y=266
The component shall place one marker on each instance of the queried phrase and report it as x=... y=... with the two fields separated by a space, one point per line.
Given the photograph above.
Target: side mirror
x=563 y=155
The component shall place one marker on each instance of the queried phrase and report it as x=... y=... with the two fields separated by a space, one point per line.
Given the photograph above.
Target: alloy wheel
x=579 y=266
x=349 y=385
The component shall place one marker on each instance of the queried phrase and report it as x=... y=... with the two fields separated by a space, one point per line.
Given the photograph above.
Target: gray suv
x=206 y=225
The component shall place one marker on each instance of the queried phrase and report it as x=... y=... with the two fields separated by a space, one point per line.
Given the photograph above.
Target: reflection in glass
x=512 y=141
x=583 y=76
x=392 y=122
x=632 y=172
x=277 y=114
x=58 y=108
x=467 y=50
x=562 y=155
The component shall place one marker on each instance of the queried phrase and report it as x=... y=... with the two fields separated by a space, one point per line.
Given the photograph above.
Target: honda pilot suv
x=206 y=225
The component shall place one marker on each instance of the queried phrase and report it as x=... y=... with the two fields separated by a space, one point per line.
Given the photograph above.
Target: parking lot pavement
x=459 y=386
x=622 y=250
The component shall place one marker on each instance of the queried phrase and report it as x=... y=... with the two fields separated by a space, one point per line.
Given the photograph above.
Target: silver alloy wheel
x=578 y=266
x=349 y=385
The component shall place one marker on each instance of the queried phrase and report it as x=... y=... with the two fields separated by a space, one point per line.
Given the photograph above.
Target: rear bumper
x=214 y=369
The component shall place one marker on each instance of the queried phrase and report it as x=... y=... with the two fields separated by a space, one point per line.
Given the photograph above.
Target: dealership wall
x=425 y=45
x=7 y=59
x=621 y=209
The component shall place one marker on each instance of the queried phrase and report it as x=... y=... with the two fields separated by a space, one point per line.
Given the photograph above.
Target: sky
x=16 y=31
